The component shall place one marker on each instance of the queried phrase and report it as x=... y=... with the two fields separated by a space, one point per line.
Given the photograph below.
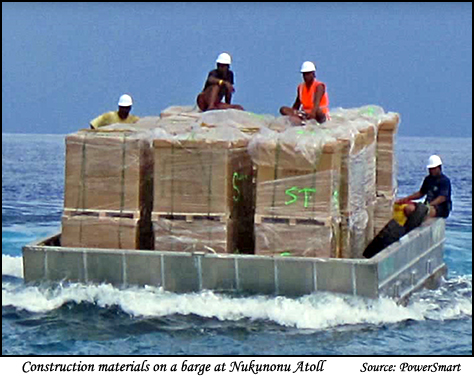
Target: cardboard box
x=386 y=163
x=202 y=177
x=209 y=234
x=292 y=188
x=386 y=181
x=357 y=231
x=100 y=232
x=358 y=171
x=301 y=238
x=383 y=211
x=107 y=171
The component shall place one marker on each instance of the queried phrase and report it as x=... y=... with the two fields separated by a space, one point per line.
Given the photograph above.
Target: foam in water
x=12 y=266
x=316 y=311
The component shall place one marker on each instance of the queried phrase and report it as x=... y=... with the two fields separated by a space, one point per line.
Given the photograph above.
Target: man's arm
x=438 y=200
x=412 y=197
x=297 y=103
x=318 y=94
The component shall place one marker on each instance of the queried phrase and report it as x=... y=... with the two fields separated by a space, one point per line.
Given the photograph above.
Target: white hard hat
x=433 y=162
x=308 y=67
x=224 y=59
x=125 y=101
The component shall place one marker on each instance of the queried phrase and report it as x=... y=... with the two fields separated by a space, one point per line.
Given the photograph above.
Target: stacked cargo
x=357 y=192
x=386 y=170
x=203 y=194
x=107 y=181
x=297 y=194
x=230 y=181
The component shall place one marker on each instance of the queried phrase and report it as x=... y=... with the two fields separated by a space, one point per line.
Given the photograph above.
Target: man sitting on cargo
x=312 y=100
x=219 y=84
x=437 y=188
x=121 y=116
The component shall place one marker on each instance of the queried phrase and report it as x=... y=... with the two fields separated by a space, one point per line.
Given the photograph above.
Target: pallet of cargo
x=191 y=232
x=279 y=235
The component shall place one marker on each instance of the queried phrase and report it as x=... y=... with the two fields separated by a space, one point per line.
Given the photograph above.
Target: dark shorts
x=442 y=210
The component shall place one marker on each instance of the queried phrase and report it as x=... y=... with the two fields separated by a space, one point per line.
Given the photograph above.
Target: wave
x=453 y=300
x=12 y=266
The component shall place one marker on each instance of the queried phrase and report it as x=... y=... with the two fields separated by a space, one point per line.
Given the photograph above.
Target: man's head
x=223 y=62
x=434 y=165
x=308 y=69
x=125 y=105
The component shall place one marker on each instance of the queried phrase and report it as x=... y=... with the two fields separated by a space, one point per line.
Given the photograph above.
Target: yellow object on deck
x=399 y=214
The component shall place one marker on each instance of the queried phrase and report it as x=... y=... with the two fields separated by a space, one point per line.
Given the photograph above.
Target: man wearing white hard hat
x=219 y=84
x=437 y=188
x=312 y=100
x=121 y=116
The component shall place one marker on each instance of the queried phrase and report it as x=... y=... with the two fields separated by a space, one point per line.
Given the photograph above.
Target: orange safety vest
x=307 y=97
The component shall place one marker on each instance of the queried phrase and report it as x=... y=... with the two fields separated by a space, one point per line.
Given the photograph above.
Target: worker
x=312 y=100
x=437 y=188
x=219 y=84
x=121 y=116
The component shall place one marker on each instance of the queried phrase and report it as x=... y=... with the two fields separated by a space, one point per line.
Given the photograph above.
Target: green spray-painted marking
x=285 y=254
x=289 y=192
x=302 y=132
x=307 y=191
x=335 y=199
x=370 y=111
x=237 y=177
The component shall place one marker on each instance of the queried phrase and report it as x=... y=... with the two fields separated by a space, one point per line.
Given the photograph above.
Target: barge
x=414 y=262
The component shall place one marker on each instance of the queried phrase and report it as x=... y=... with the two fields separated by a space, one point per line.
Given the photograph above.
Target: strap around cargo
x=122 y=184
x=275 y=173
x=82 y=186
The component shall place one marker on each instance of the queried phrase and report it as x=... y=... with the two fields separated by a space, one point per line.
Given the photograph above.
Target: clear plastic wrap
x=383 y=211
x=232 y=181
x=106 y=170
x=246 y=122
x=387 y=167
x=304 y=238
x=201 y=234
x=204 y=173
x=83 y=231
x=108 y=186
x=181 y=113
x=298 y=173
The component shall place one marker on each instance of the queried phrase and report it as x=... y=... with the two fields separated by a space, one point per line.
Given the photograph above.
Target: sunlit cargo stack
x=203 y=195
x=232 y=182
x=358 y=176
x=297 y=205
x=386 y=169
x=107 y=181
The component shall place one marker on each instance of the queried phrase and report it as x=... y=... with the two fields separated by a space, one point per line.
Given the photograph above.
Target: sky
x=63 y=64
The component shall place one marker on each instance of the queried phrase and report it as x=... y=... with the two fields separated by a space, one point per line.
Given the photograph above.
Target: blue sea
x=78 y=319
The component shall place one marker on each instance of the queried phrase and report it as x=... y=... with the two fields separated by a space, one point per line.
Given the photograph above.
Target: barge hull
x=414 y=262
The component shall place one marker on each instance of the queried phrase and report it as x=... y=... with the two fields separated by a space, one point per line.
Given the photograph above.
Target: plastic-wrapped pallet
x=108 y=181
x=203 y=174
x=85 y=231
x=246 y=122
x=298 y=174
x=383 y=212
x=386 y=164
x=194 y=233
x=358 y=179
x=386 y=155
x=299 y=237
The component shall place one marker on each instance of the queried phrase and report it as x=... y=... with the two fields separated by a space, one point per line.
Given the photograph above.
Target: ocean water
x=78 y=319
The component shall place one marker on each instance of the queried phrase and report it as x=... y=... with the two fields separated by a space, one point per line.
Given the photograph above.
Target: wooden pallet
x=189 y=217
x=135 y=214
x=292 y=221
